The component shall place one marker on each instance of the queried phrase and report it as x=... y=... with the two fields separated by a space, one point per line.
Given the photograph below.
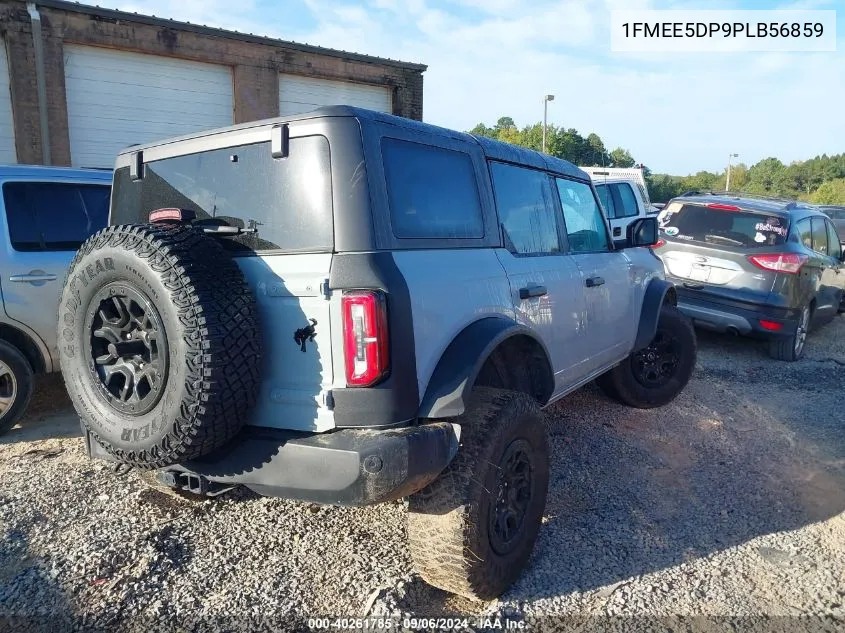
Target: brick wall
x=256 y=66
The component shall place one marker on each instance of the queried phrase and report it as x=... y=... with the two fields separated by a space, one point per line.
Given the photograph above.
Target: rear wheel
x=791 y=348
x=15 y=386
x=654 y=376
x=473 y=529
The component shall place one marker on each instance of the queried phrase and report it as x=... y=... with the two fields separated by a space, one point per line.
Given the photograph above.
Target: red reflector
x=771 y=325
x=659 y=243
x=365 y=339
x=782 y=263
x=723 y=207
x=172 y=215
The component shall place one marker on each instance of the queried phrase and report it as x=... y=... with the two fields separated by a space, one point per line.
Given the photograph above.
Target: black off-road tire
x=625 y=383
x=449 y=521
x=15 y=385
x=791 y=348
x=205 y=323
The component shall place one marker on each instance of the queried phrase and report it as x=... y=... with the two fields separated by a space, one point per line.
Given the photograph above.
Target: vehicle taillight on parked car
x=781 y=263
x=365 y=337
x=660 y=242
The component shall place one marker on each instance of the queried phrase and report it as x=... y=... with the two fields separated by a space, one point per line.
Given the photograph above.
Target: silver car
x=45 y=214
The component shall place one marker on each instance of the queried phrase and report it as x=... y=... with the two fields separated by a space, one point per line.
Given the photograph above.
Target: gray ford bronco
x=347 y=307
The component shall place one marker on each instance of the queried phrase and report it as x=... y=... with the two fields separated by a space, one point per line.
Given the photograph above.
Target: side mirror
x=641 y=232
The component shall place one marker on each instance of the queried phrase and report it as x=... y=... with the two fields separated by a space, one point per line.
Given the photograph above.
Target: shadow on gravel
x=633 y=492
x=752 y=447
x=27 y=579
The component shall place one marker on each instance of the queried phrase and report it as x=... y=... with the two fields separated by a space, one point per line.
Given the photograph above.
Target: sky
x=676 y=113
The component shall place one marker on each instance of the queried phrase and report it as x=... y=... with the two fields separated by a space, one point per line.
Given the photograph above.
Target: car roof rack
x=789 y=203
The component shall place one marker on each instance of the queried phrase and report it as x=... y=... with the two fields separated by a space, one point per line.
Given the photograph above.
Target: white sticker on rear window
x=760 y=238
x=770 y=228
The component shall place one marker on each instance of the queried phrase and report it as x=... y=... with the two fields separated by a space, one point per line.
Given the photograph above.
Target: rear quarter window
x=432 y=191
x=287 y=200
x=722 y=227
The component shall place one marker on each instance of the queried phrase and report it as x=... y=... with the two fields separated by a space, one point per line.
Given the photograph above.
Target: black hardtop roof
x=749 y=202
x=496 y=150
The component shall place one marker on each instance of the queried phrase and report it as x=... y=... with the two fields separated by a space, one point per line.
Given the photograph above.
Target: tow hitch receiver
x=189 y=482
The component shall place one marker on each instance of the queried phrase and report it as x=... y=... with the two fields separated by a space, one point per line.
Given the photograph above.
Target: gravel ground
x=728 y=502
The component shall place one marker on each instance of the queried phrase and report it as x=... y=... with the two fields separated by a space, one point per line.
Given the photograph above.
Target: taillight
x=781 y=263
x=365 y=337
x=659 y=243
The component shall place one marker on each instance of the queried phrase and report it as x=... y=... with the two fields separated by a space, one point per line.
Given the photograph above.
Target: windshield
x=722 y=227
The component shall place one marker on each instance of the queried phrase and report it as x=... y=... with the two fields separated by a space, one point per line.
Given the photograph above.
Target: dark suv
x=837 y=216
x=756 y=266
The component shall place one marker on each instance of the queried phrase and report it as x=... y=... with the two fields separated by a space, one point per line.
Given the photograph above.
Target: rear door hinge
x=325 y=290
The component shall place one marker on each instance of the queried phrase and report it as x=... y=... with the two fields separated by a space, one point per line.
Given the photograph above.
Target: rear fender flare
x=459 y=365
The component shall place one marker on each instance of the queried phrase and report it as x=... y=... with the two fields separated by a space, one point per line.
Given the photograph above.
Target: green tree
x=765 y=176
x=505 y=123
x=830 y=192
x=621 y=158
x=483 y=130
x=598 y=154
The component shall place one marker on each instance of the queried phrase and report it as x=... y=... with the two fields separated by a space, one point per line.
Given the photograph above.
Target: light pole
x=728 y=179
x=546 y=100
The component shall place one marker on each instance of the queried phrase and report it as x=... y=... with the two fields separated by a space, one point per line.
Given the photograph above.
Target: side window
x=432 y=191
x=833 y=245
x=627 y=200
x=526 y=209
x=49 y=216
x=819 y=236
x=606 y=201
x=805 y=233
x=585 y=226
x=644 y=195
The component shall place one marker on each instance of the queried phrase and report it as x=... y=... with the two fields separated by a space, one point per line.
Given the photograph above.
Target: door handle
x=33 y=278
x=617 y=231
x=532 y=291
x=594 y=282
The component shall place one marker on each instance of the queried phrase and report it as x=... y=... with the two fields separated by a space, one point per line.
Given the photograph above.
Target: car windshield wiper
x=724 y=239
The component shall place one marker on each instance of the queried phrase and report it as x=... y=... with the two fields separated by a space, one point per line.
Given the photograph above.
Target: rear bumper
x=739 y=317
x=345 y=467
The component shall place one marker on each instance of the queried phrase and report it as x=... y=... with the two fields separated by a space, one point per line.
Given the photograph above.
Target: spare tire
x=159 y=343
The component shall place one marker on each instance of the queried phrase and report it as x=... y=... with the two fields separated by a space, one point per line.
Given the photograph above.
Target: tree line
x=820 y=180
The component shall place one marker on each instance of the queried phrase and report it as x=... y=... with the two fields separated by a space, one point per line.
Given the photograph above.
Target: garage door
x=116 y=99
x=7 y=127
x=303 y=94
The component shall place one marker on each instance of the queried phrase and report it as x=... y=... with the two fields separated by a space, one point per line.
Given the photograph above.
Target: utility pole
x=546 y=100
x=728 y=179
